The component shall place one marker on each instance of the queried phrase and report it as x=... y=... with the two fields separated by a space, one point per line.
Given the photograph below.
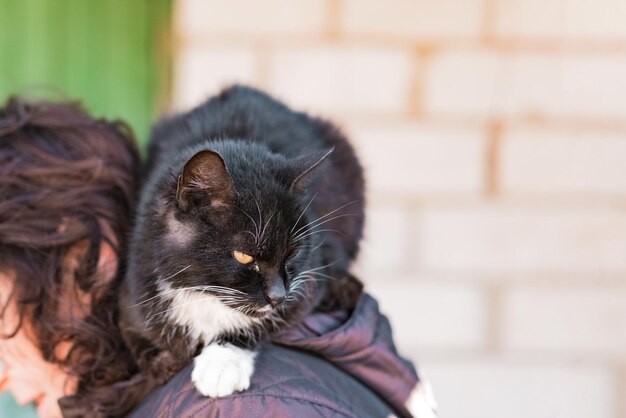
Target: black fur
x=236 y=167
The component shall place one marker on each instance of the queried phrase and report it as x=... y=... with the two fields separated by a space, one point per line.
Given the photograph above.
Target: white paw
x=221 y=369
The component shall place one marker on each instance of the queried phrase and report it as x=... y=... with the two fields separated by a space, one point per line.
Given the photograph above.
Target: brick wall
x=494 y=137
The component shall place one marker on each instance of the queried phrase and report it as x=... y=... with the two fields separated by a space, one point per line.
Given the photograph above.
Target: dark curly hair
x=68 y=184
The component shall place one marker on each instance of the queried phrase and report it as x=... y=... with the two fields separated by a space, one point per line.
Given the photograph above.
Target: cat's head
x=243 y=232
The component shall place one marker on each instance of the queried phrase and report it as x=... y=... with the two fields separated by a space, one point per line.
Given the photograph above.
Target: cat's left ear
x=306 y=166
x=205 y=178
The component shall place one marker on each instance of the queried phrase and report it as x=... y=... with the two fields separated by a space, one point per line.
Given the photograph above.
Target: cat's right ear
x=306 y=166
x=206 y=179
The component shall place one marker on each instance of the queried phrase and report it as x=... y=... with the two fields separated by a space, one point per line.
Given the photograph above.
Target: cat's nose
x=275 y=301
x=275 y=293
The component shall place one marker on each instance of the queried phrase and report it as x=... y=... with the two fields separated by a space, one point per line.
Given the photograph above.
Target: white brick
x=501 y=240
x=581 y=320
x=201 y=71
x=573 y=85
x=386 y=243
x=419 y=159
x=561 y=19
x=479 y=388
x=539 y=160
x=484 y=83
x=249 y=17
x=432 y=316
x=466 y=82
x=412 y=19
x=343 y=79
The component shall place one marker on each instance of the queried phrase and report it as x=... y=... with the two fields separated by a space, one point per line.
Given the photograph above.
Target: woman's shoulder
x=286 y=382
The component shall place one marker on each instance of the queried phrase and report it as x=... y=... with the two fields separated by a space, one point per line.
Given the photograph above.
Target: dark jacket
x=331 y=365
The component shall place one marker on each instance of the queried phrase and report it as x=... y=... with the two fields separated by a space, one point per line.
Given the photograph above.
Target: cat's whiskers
x=244 y=309
x=307 y=279
x=308 y=234
x=178 y=272
x=253 y=236
x=313 y=271
x=302 y=279
x=262 y=238
x=256 y=227
x=172 y=308
x=295 y=293
x=275 y=320
x=318 y=268
x=313 y=275
x=317 y=273
x=217 y=289
x=313 y=227
x=205 y=288
x=313 y=248
x=233 y=298
x=258 y=208
x=232 y=301
x=325 y=216
x=230 y=298
x=167 y=278
x=302 y=213
x=299 y=286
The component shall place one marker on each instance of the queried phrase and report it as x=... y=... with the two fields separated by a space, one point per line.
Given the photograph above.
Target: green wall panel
x=110 y=54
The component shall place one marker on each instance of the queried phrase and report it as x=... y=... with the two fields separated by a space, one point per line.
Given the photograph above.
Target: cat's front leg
x=221 y=369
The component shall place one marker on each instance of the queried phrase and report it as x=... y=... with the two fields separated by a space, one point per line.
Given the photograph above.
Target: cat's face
x=254 y=248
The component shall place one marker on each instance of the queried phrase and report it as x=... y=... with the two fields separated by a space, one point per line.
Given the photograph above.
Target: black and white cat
x=249 y=220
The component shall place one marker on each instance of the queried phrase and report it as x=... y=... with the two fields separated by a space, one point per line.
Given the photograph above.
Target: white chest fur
x=204 y=315
x=220 y=369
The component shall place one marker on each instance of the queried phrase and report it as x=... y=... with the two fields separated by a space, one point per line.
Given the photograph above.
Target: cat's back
x=237 y=112
x=243 y=113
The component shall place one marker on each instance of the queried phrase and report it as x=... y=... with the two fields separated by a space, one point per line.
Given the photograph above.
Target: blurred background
x=493 y=133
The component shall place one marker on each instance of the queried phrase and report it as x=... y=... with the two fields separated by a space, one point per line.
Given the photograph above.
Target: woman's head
x=67 y=187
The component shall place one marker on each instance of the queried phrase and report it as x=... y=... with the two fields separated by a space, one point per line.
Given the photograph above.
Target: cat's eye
x=293 y=253
x=243 y=258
